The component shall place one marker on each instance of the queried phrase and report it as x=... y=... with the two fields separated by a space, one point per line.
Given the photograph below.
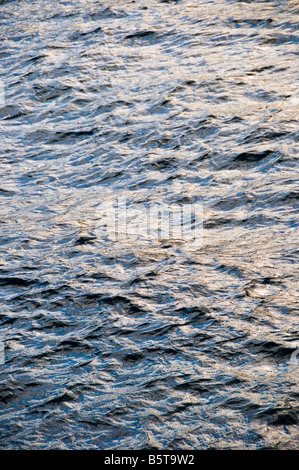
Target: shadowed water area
x=124 y=345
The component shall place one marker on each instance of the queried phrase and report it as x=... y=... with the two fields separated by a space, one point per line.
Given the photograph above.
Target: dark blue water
x=117 y=345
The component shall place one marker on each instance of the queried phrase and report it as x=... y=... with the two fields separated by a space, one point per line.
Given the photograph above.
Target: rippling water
x=117 y=345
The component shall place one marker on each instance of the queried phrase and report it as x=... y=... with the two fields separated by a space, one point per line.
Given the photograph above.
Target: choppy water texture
x=117 y=345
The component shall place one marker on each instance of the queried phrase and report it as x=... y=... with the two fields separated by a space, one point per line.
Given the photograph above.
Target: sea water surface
x=114 y=344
